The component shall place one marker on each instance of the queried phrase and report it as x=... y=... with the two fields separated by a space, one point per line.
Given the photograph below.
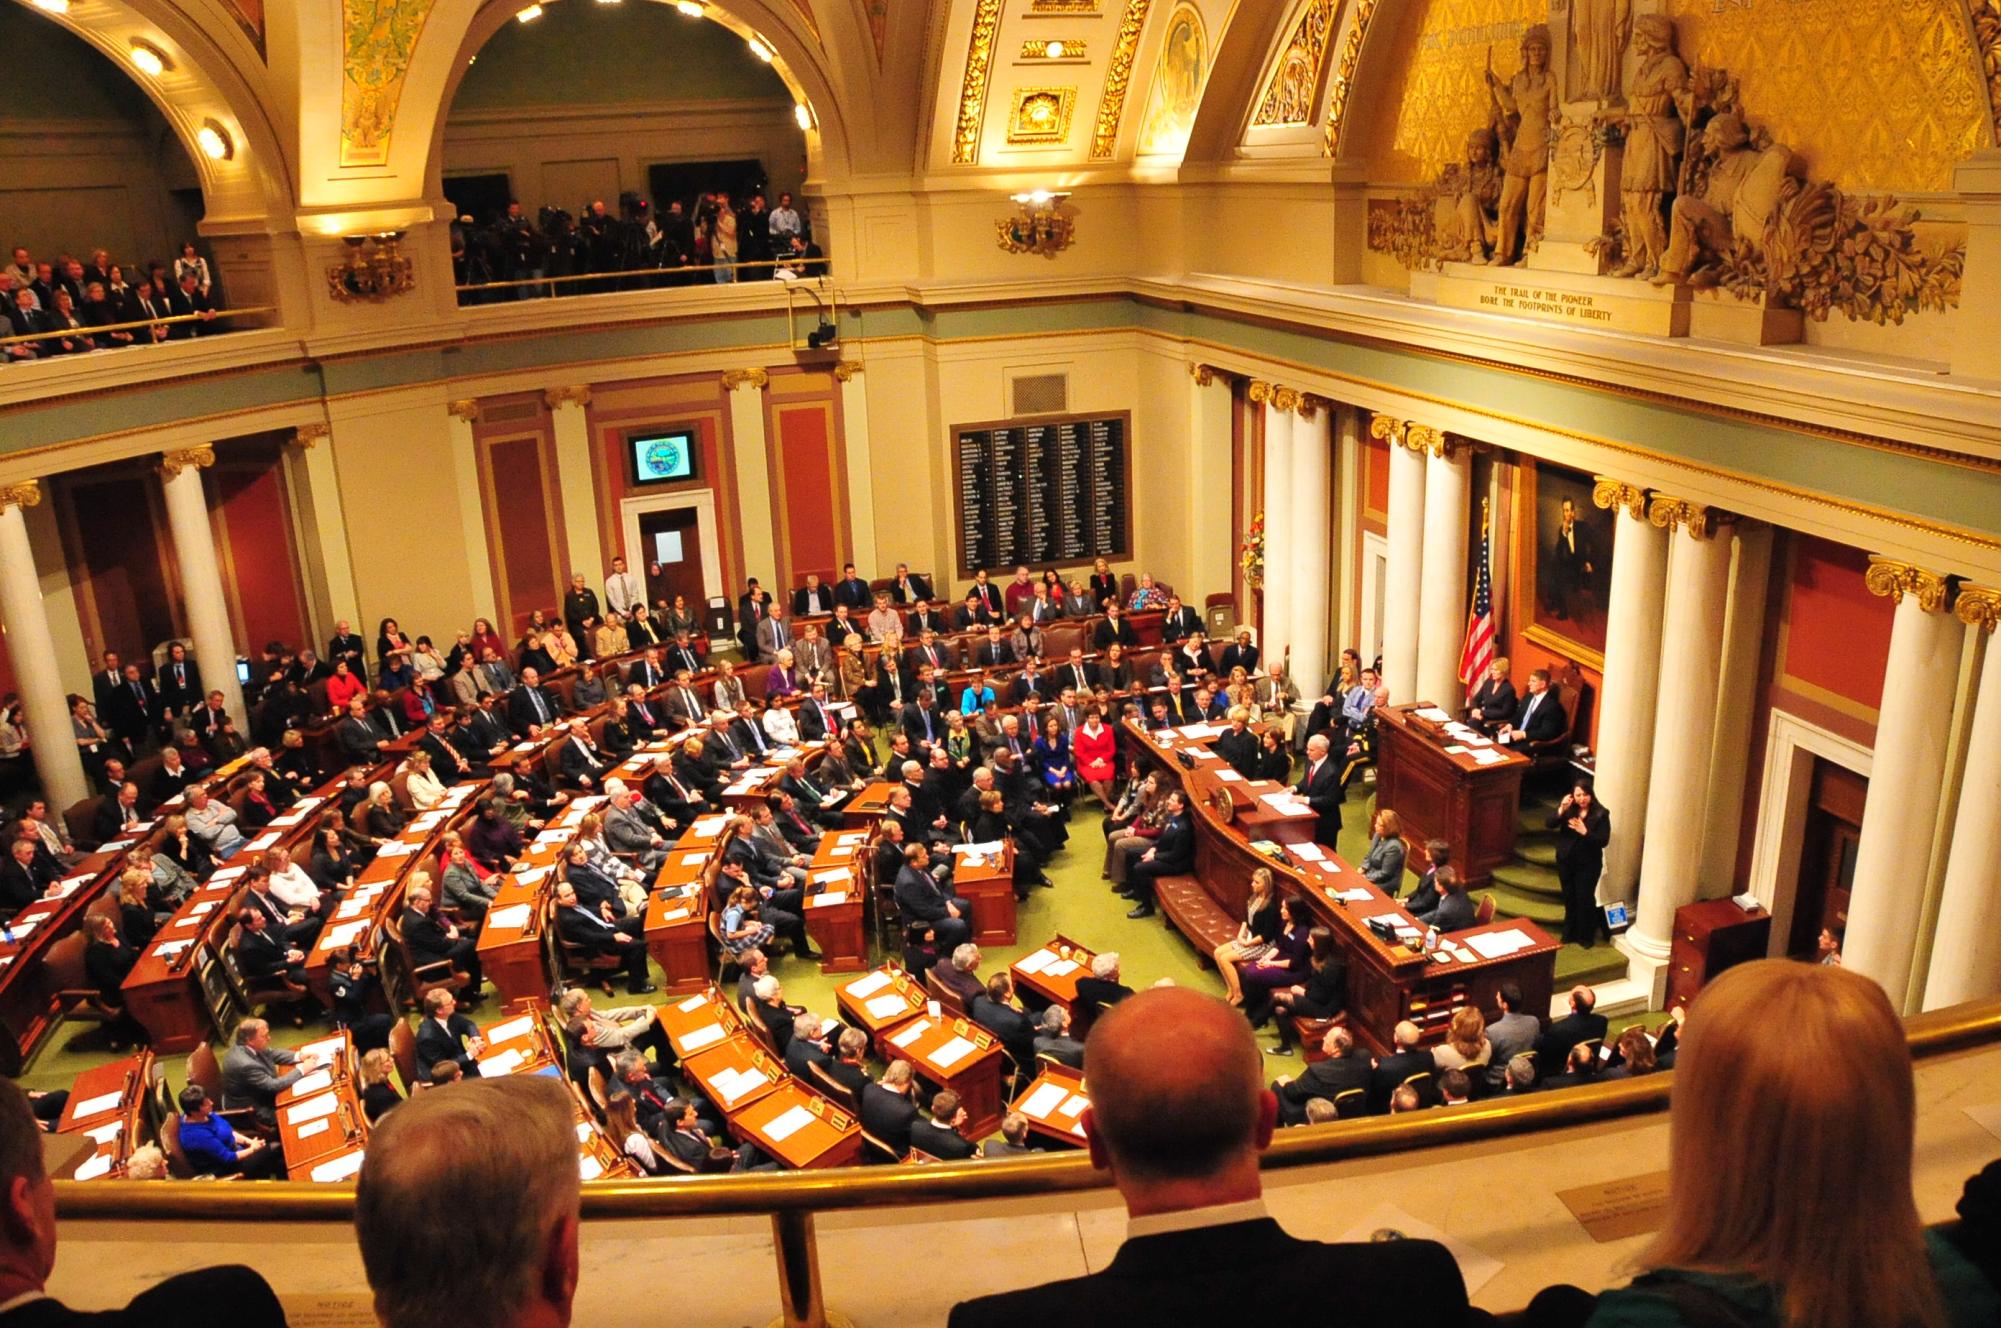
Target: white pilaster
x=582 y=542
x=201 y=577
x=1737 y=699
x=1281 y=549
x=1966 y=946
x=753 y=475
x=33 y=651
x=1212 y=533
x=1913 y=728
x=1312 y=549
x=323 y=530
x=472 y=507
x=861 y=467
x=1441 y=629
x=1347 y=525
x=1627 y=700
x=1406 y=559
x=1685 y=735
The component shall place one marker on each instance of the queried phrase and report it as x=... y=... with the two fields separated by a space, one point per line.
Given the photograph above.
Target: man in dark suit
x=1240 y=653
x=991 y=606
x=1173 y=854
x=851 y=590
x=582 y=764
x=812 y=598
x=906 y=588
x=751 y=607
x=1540 y=718
x=1180 y=623
x=1114 y=628
x=116 y=814
x=28 y=1253
x=1053 y=1038
x=815 y=715
x=939 y=1136
x=921 y=898
x=994 y=1010
x=888 y=1110
x=443 y=1034
x=580 y=925
x=1582 y=1024
x=1105 y=987
x=134 y=708
x=346 y=644
x=1321 y=787
x=1343 y=1069
x=1178 y=1117
x=531 y=705
x=180 y=681
x=1408 y=1059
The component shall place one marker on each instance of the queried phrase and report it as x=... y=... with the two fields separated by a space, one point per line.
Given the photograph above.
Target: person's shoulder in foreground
x=28 y=1254
x=1178 y=1116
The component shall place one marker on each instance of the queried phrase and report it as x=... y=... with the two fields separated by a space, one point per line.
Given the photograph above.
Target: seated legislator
x=1173 y=854
x=500 y=1154
x=1540 y=718
x=1342 y=1070
x=940 y=1136
x=28 y=1247
x=254 y=1072
x=588 y=928
x=1800 y=1071
x=887 y=1108
x=445 y=1035
x=214 y=1149
x=1178 y=1116
x=1492 y=705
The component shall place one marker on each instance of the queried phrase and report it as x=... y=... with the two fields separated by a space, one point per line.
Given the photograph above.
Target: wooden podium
x=1441 y=790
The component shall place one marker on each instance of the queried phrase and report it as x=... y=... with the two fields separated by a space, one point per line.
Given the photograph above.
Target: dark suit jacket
x=888 y=1117
x=1547 y=721
x=1179 y=626
x=107 y=822
x=186 y=1300
x=177 y=694
x=1552 y=1049
x=854 y=593
x=1107 y=632
x=939 y=1141
x=1099 y=993
x=436 y=1044
x=1495 y=701
x=1011 y=1026
x=1392 y=1070
x=1243 y=1273
x=1234 y=654
x=1322 y=790
x=1327 y=1078
x=521 y=711
x=1240 y=751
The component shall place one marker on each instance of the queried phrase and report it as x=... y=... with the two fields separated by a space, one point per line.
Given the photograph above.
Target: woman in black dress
x=1321 y=996
x=1582 y=826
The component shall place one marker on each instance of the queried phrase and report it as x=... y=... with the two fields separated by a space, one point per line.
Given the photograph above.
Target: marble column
x=1627 y=696
x=1281 y=563
x=322 y=529
x=576 y=484
x=1966 y=950
x=1685 y=707
x=472 y=507
x=1441 y=628
x=1406 y=557
x=753 y=475
x=1213 y=536
x=1310 y=552
x=32 y=648
x=1900 y=818
x=201 y=576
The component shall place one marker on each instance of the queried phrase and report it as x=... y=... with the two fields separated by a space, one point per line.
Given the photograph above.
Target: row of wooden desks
x=1054 y=1104
x=107 y=1110
x=947 y=1053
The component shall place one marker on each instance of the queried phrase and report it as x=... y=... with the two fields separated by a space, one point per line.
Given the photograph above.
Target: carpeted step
x=1539 y=852
x=1601 y=963
x=1510 y=903
x=1533 y=818
x=1529 y=879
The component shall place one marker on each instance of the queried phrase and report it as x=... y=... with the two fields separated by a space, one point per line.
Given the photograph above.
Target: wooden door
x=1827 y=856
x=671 y=549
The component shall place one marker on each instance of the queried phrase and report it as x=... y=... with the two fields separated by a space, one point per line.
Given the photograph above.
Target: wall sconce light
x=528 y=15
x=803 y=114
x=1039 y=225
x=374 y=269
x=149 y=59
x=215 y=142
x=689 y=8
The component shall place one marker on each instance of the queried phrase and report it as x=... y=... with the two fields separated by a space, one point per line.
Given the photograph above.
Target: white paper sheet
x=317 y=1127
x=789 y=1124
x=510 y=1030
x=589 y=1167
x=104 y=1134
x=1043 y=1100
x=882 y=1007
x=92 y=1106
x=262 y=842
x=1229 y=776
x=1036 y=962
x=830 y=899
x=911 y=1034
x=500 y=1065
x=742 y=1082
x=869 y=986
x=514 y=915
x=1062 y=968
x=345 y=933
x=952 y=1053
x=169 y=949
x=312 y=1108
x=702 y=1037
x=325 y=1049
x=693 y=1003
x=1495 y=944
x=1306 y=852
x=1489 y=756
x=1432 y=713
x=836 y=874
x=1075 y=1106
x=316 y=1082
x=339 y=1169
x=94 y=1167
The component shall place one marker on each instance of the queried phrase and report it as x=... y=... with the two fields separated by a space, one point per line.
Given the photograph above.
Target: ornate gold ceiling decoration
x=1344 y=75
x=1293 y=90
x=1063 y=6
x=380 y=36
x=1179 y=75
x=1040 y=50
x=1440 y=61
x=1041 y=115
x=805 y=8
x=973 y=91
x=1118 y=79
x=1987 y=33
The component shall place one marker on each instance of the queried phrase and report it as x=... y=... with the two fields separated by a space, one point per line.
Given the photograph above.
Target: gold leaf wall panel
x=380 y=35
x=1442 y=95
x=1874 y=94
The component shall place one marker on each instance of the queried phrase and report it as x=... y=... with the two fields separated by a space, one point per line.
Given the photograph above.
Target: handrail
x=1931 y=1034
x=615 y=274
x=208 y=317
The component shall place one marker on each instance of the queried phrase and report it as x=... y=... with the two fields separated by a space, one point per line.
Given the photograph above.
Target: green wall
x=584 y=53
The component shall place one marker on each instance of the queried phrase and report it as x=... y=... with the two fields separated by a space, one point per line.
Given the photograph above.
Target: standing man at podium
x=1321 y=787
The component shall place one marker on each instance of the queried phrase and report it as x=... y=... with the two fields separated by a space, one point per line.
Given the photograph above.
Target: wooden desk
x=105 y=1093
x=868 y=806
x=989 y=888
x=834 y=897
x=338 y=1072
x=799 y=1128
x=30 y=1008
x=511 y=951
x=734 y=1073
x=880 y=1001
x=701 y=1021
x=1054 y=1105
x=1432 y=780
x=1043 y=988
x=316 y=1127
x=678 y=906
x=955 y=1054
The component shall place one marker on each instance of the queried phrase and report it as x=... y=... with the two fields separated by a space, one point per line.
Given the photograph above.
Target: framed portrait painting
x=1566 y=555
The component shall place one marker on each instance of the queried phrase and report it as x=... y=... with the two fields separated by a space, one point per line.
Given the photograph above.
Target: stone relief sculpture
x=1599 y=30
x=1654 y=134
x=1526 y=109
x=1464 y=222
x=1736 y=202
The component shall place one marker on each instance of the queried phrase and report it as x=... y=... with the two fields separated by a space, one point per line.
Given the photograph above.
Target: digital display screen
x=660 y=458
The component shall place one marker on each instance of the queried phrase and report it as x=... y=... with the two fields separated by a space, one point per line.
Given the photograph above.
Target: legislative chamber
x=1003 y=660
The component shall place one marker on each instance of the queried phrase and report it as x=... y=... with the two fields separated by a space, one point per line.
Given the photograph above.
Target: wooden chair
x=877 y=1152
x=80 y=818
x=414 y=982
x=403 y=1051
x=204 y=1069
x=832 y=1088
x=178 y=1166
x=1350 y=1103
x=753 y=1015
x=671 y=1160
x=576 y=964
x=75 y=998
x=725 y=959
x=595 y=1085
x=1567 y=685
x=1426 y=1085
x=944 y=995
x=1484 y=914
x=277 y=992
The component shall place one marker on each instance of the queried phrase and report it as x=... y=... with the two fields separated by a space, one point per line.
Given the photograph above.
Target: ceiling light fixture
x=691 y=8
x=760 y=50
x=215 y=141
x=148 y=59
x=52 y=6
x=803 y=114
x=1054 y=50
x=528 y=15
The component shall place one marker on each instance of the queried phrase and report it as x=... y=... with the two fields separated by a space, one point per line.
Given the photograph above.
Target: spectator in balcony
x=723 y=240
x=191 y=264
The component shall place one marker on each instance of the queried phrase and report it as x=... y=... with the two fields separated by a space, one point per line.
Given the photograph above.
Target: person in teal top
x=1789 y=1166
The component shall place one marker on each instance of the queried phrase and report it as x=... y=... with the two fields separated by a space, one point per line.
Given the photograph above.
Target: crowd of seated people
x=713 y=239
x=70 y=306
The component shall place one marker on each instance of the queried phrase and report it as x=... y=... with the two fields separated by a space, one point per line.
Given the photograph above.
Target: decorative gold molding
x=1296 y=76
x=1987 y=36
x=973 y=90
x=1612 y=494
x=1047 y=50
x=736 y=378
x=558 y=397
x=307 y=436
x=1344 y=74
x=1072 y=7
x=1203 y=374
x=199 y=457
x=466 y=408
x=28 y=493
x=1118 y=80
x=1422 y=438
x=1041 y=115
x=1290 y=400
x=1978 y=606
x=1891 y=577
x=846 y=370
x=1668 y=512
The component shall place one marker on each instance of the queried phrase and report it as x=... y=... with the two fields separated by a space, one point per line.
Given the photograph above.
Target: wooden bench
x=1189 y=909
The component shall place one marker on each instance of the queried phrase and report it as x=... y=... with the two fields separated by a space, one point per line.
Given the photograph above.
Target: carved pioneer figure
x=1528 y=102
x=1654 y=137
x=1736 y=202
x=1464 y=225
x=1598 y=30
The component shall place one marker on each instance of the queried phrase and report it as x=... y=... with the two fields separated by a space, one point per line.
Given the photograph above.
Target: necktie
x=688 y=703
x=541 y=710
x=927 y=724
x=139 y=695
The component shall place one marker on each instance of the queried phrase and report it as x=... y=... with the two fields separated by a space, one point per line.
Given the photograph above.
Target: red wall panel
x=253 y=534
x=811 y=495
x=115 y=538
x=1837 y=634
x=523 y=526
x=1376 y=469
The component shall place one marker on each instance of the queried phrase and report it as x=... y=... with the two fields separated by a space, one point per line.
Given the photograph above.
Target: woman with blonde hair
x=1465 y=1044
x=1255 y=935
x=1789 y=1169
x=378 y=1092
x=1384 y=863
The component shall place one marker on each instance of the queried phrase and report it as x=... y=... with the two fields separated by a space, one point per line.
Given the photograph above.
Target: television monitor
x=662 y=458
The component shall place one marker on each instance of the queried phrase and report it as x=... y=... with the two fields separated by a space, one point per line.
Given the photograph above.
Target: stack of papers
x=789 y=1124
x=911 y=1034
x=868 y=986
x=317 y=1081
x=1062 y=968
x=514 y=915
x=733 y=1083
x=94 y=1106
x=312 y=1109
x=828 y=899
x=884 y=1007
x=693 y=1003
x=1043 y=1100
x=502 y=1064
x=345 y=933
x=703 y=1037
x=952 y=1053
x=94 y=1167
x=589 y=1167
x=1496 y=944
x=510 y=1030
x=1432 y=713
x=397 y=848
x=1036 y=962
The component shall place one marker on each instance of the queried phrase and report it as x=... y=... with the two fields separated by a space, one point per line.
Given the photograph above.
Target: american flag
x=1479 y=651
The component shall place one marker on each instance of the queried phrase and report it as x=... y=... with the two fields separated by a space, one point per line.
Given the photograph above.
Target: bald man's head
x=1177 y=1087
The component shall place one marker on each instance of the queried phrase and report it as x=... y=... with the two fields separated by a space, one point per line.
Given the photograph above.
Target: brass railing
x=168 y=321
x=703 y=274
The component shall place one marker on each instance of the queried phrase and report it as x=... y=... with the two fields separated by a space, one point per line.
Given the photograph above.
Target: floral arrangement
x=1251 y=555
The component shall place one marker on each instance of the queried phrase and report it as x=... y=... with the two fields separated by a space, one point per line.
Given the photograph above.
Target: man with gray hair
x=502 y=1152
x=617 y=1028
x=1103 y=989
x=1344 y=1070
x=959 y=975
x=254 y=1072
x=1178 y=1116
x=28 y=1252
x=1054 y=1040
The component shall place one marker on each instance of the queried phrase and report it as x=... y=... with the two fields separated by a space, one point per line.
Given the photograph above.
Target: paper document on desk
x=708 y=827
x=316 y=1082
x=514 y=915
x=834 y=799
x=1036 y=962
x=1497 y=944
x=262 y=842
x=1062 y=968
x=828 y=900
x=789 y=1124
x=883 y=1007
x=741 y=1082
x=1044 y=1100
x=93 y=1106
x=1285 y=802
x=1228 y=776
x=168 y=949
x=1356 y=896
x=95 y=1167
x=339 y=1169
x=312 y=1109
x=226 y=874
x=325 y=1049
x=861 y=988
x=510 y=1030
x=832 y=875
x=1489 y=756
x=317 y=1127
x=910 y=1034
x=1432 y=713
x=983 y=850
x=346 y=932
x=104 y=1134
x=1308 y=852
x=506 y=1063
x=588 y=1167
x=851 y=838
x=952 y=1053
x=397 y=848
x=693 y=1003
x=702 y=1037
x=1075 y=1106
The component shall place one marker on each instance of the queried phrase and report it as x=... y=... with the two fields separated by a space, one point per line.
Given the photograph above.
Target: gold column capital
x=1258 y=391
x=199 y=457
x=28 y=493
x=1895 y=578
x=846 y=370
x=1612 y=494
x=1203 y=374
x=1423 y=439
x=1668 y=512
x=467 y=409
x=1978 y=606
x=558 y=397
x=736 y=378
x=307 y=436
x=1284 y=398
